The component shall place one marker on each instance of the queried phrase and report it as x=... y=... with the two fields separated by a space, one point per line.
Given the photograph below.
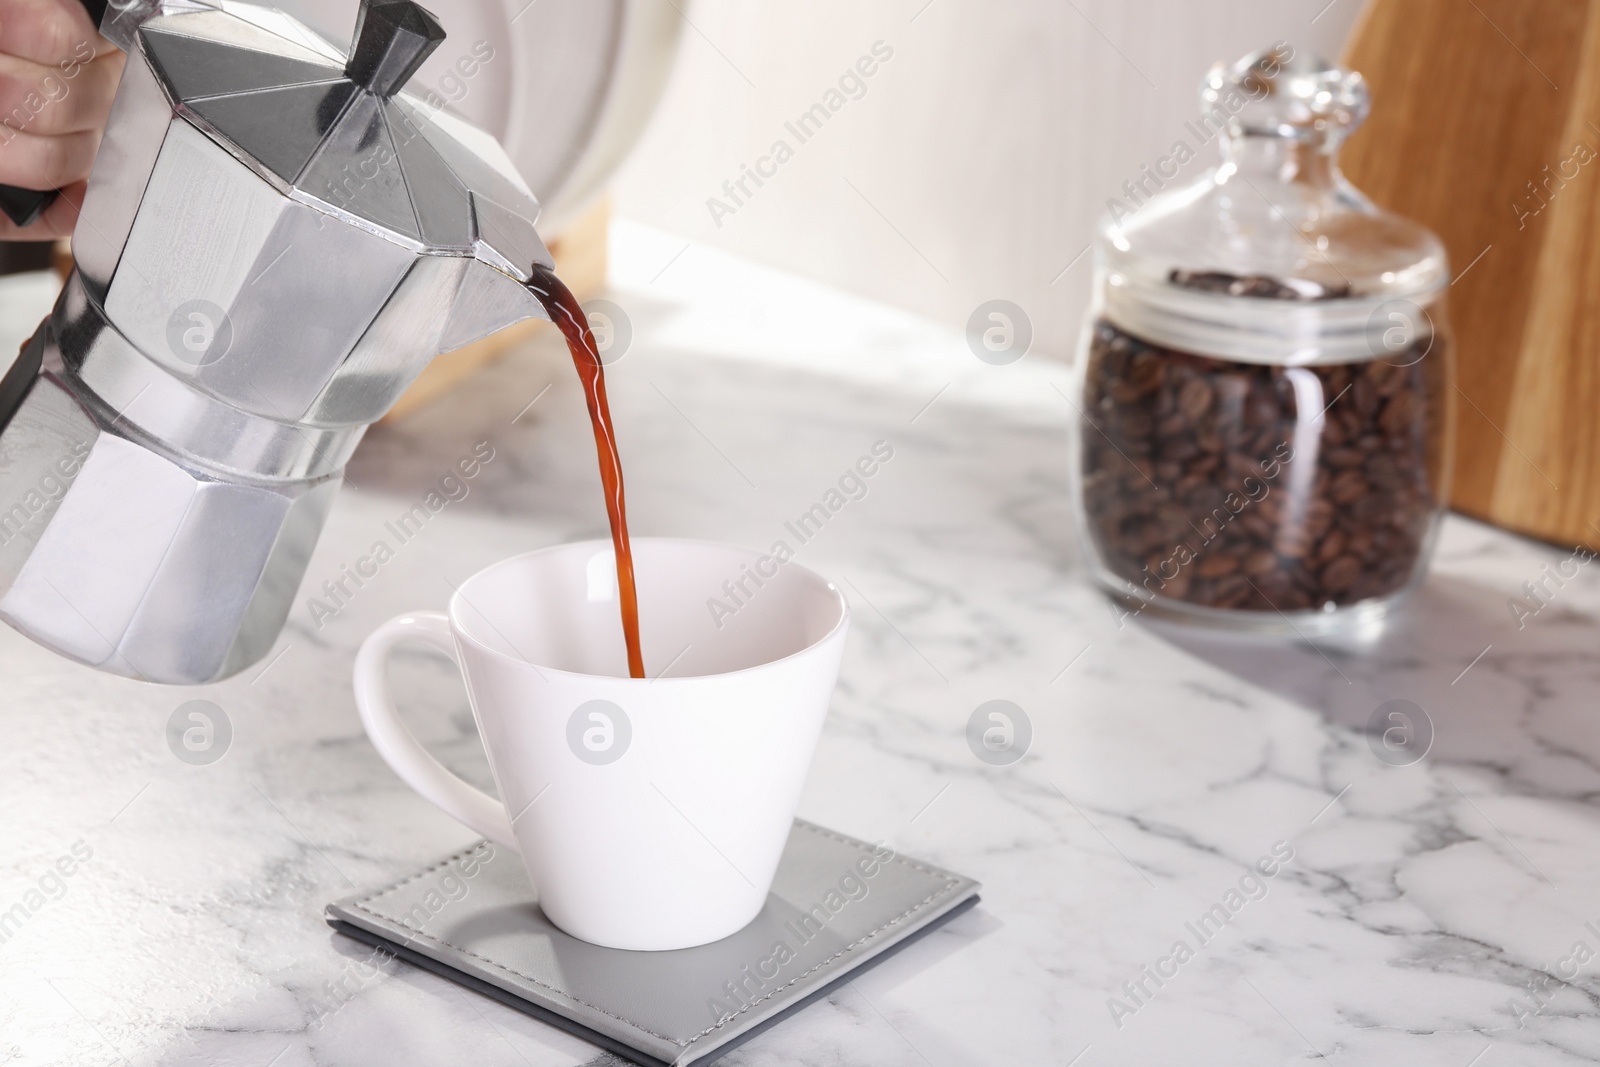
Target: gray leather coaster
x=837 y=905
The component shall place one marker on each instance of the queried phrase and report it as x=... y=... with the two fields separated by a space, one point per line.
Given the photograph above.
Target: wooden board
x=580 y=255
x=1479 y=110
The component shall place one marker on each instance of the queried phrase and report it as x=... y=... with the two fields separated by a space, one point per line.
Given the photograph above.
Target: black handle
x=392 y=39
x=24 y=206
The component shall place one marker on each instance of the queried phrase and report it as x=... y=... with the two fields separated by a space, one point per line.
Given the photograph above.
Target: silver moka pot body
x=275 y=242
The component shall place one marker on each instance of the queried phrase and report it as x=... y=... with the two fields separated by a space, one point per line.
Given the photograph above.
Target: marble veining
x=1441 y=913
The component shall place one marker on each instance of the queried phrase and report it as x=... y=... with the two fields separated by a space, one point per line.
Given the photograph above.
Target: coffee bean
x=1242 y=465
x=1362 y=543
x=1292 y=542
x=1233 y=591
x=1261 y=286
x=1365 y=396
x=1348 y=487
x=1256 y=525
x=1123 y=393
x=1319 y=516
x=1399 y=414
x=1260 y=564
x=1385 y=474
x=1331 y=547
x=1132 y=422
x=1370 y=511
x=1230 y=394
x=1352 y=527
x=1194 y=399
x=1181 y=450
x=1216 y=566
x=1341 y=574
x=1146 y=371
x=1345 y=457
x=1388 y=378
x=1262 y=411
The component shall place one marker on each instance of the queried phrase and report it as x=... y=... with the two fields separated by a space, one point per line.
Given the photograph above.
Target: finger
x=50 y=31
x=42 y=100
x=36 y=162
x=61 y=217
x=58 y=219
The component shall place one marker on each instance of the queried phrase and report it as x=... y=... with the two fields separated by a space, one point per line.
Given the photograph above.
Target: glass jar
x=1264 y=389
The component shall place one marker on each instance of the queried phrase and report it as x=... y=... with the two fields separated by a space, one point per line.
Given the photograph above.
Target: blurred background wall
x=971 y=164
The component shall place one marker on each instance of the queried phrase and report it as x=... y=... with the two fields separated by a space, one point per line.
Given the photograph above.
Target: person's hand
x=57 y=79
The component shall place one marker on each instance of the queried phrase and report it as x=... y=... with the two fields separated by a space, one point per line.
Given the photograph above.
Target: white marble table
x=1420 y=905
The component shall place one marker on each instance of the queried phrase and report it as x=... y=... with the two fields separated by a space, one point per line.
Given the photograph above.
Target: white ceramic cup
x=650 y=812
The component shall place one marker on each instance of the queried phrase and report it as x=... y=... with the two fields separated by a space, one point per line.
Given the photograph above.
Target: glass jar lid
x=1272 y=256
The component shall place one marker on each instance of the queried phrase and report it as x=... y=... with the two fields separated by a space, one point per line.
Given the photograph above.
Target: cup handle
x=404 y=753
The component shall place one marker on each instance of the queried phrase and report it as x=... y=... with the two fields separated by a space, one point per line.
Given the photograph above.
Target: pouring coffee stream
x=568 y=315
